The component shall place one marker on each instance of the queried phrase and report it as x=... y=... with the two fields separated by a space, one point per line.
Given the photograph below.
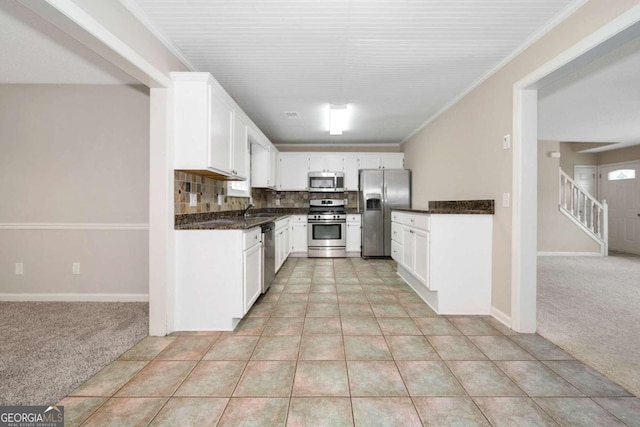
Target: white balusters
x=584 y=210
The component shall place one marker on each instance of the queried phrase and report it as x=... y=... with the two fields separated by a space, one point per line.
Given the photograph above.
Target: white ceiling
x=33 y=51
x=395 y=62
x=599 y=103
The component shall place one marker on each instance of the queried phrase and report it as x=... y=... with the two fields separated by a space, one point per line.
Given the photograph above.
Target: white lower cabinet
x=446 y=259
x=299 y=231
x=354 y=234
x=217 y=277
x=252 y=263
x=282 y=241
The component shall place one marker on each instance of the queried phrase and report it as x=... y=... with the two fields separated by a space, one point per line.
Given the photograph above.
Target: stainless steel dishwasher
x=268 y=255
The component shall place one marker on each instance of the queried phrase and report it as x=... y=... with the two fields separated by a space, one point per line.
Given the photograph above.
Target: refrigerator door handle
x=385 y=194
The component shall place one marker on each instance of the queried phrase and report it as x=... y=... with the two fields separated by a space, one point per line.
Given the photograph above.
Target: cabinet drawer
x=299 y=219
x=281 y=223
x=252 y=237
x=397 y=216
x=417 y=221
x=396 y=232
x=354 y=218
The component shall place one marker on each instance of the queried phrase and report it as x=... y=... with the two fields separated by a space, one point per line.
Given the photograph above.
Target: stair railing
x=585 y=211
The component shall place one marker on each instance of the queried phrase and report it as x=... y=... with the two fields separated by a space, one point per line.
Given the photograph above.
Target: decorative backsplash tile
x=208 y=190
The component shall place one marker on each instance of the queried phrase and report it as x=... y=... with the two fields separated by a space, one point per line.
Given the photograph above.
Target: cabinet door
x=351 y=173
x=353 y=237
x=334 y=164
x=408 y=248
x=220 y=134
x=240 y=147
x=396 y=251
x=252 y=275
x=321 y=162
x=369 y=162
x=392 y=161
x=421 y=266
x=299 y=237
x=273 y=168
x=287 y=242
x=316 y=162
x=280 y=247
x=294 y=171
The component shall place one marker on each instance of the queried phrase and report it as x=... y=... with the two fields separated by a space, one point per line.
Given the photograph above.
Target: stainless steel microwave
x=326 y=182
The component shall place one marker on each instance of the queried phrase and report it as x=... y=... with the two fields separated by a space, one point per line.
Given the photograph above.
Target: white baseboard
x=500 y=316
x=76 y=297
x=541 y=253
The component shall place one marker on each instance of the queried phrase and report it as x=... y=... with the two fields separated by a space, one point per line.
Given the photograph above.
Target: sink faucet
x=244 y=212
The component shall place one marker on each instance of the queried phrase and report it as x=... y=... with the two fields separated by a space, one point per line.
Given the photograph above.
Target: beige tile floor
x=346 y=342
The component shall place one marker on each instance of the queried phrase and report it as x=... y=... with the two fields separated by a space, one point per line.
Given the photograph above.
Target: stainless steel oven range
x=327 y=220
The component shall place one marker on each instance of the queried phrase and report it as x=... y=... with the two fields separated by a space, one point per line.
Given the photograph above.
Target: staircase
x=585 y=211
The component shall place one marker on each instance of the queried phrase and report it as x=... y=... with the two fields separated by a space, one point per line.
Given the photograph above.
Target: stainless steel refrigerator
x=380 y=191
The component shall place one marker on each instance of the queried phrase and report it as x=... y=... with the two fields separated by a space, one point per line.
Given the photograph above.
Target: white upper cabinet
x=293 y=171
x=295 y=166
x=264 y=160
x=392 y=161
x=321 y=162
x=381 y=161
x=351 y=172
x=210 y=132
x=221 y=134
x=240 y=150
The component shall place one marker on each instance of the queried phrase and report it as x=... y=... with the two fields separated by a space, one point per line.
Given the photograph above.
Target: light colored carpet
x=590 y=306
x=50 y=348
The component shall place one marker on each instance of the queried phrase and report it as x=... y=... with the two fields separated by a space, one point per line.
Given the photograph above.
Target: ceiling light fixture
x=337 y=119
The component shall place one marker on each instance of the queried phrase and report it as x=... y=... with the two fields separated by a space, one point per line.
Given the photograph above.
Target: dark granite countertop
x=233 y=220
x=447 y=211
x=457 y=207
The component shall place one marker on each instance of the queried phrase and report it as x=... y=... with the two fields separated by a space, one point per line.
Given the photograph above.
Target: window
x=621 y=174
x=239 y=189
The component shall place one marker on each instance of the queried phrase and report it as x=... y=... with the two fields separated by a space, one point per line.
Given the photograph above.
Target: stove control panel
x=326 y=216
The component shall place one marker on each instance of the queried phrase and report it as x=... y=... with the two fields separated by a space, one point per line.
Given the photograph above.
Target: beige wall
x=459 y=154
x=619 y=156
x=569 y=158
x=556 y=233
x=75 y=155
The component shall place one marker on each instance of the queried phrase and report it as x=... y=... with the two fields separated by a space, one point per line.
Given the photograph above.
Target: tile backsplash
x=208 y=189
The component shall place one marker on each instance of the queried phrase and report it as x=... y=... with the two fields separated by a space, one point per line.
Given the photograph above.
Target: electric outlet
x=75 y=268
x=277 y=202
x=506 y=142
x=193 y=199
x=220 y=199
x=506 y=200
x=19 y=269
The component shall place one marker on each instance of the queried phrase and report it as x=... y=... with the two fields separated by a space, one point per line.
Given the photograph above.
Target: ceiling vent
x=292 y=115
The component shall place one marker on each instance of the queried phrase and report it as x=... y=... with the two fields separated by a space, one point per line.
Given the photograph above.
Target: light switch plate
x=506 y=142
x=193 y=199
x=75 y=268
x=506 y=200
x=19 y=269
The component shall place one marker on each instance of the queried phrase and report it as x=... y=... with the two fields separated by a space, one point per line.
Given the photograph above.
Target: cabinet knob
x=411 y=231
